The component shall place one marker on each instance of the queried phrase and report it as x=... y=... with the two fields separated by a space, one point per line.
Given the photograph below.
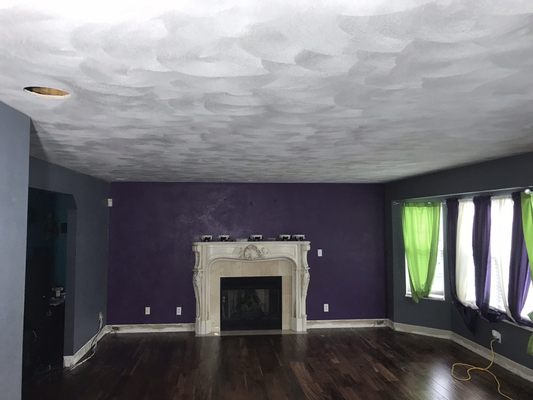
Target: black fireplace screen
x=250 y=303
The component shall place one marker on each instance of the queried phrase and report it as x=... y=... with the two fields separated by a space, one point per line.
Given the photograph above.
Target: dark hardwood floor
x=362 y=364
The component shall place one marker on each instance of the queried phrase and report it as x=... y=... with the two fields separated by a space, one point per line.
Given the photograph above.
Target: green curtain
x=527 y=224
x=421 y=227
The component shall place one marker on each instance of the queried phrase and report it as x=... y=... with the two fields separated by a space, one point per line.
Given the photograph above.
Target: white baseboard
x=347 y=323
x=504 y=362
x=421 y=330
x=69 y=361
x=512 y=366
x=152 y=328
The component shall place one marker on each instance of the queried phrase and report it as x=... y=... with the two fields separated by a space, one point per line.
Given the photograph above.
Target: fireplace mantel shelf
x=214 y=260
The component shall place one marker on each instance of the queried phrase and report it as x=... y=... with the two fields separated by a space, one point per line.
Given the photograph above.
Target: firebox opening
x=250 y=303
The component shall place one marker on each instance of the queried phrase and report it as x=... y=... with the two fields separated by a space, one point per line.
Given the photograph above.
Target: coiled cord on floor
x=470 y=367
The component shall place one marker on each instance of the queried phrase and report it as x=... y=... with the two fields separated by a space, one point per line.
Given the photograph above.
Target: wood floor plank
x=344 y=364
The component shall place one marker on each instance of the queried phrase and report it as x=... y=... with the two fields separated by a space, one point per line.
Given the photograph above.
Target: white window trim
x=435 y=297
x=525 y=327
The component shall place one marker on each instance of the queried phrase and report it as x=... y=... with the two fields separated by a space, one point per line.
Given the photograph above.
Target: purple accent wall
x=153 y=226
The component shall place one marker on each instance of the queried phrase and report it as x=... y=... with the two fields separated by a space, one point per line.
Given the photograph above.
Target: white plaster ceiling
x=271 y=91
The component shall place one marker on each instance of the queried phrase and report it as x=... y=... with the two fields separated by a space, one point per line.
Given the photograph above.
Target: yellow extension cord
x=474 y=368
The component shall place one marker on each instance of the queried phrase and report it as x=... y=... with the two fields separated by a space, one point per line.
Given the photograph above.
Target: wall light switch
x=146 y=310
x=319 y=251
x=326 y=307
x=178 y=310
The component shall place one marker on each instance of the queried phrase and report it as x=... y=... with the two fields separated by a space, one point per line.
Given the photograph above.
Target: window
x=437 y=287
x=465 y=271
x=501 y=233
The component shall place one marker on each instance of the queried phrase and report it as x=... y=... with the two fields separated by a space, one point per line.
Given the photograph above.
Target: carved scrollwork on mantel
x=197 y=285
x=252 y=252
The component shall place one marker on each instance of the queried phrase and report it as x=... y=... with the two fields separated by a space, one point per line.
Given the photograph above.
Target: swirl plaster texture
x=304 y=91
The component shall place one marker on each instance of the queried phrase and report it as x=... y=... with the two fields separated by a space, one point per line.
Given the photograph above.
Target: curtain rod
x=443 y=197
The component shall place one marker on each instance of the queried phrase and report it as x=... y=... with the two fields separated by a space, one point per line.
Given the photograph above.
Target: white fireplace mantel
x=238 y=259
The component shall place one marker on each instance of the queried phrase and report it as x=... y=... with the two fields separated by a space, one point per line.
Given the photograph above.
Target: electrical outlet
x=497 y=335
x=326 y=307
x=178 y=310
x=319 y=252
x=147 y=310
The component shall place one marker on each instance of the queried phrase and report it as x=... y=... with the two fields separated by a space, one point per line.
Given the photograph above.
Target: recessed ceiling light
x=46 y=91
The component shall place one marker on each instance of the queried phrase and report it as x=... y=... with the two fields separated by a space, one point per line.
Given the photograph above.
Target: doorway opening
x=49 y=253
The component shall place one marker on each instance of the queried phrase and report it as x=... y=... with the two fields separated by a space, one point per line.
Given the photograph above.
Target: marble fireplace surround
x=215 y=260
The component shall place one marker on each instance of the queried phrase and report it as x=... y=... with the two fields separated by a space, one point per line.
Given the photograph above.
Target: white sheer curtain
x=501 y=233
x=465 y=272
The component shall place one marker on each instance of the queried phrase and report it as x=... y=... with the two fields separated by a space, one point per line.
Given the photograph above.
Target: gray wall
x=491 y=176
x=432 y=313
x=14 y=153
x=87 y=268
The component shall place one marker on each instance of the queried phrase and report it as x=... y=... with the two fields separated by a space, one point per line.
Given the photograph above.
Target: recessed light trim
x=46 y=91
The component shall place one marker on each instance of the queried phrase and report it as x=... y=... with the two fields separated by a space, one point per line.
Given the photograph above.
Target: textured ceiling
x=271 y=91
